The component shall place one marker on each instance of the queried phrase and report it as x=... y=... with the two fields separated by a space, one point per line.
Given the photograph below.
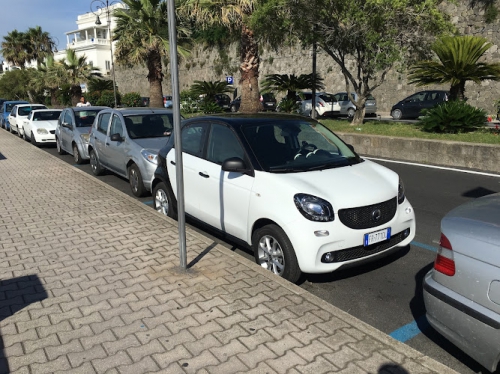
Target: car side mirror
x=237 y=165
x=116 y=138
x=67 y=125
x=351 y=147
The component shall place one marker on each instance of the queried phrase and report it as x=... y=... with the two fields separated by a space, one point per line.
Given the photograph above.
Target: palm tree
x=77 y=71
x=142 y=38
x=40 y=44
x=291 y=83
x=14 y=48
x=50 y=76
x=235 y=16
x=100 y=84
x=458 y=63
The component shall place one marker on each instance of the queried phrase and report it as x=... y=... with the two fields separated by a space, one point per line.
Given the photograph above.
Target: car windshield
x=85 y=118
x=149 y=125
x=297 y=146
x=46 y=116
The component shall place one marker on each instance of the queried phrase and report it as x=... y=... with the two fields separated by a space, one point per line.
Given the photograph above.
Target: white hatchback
x=287 y=186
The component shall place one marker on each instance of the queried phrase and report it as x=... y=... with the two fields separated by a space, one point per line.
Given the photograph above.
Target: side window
x=13 y=112
x=116 y=126
x=102 y=125
x=223 y=144
x=193 y=137
x=68 y=119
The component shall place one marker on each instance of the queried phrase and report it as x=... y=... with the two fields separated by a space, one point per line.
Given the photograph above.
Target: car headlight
x=85 y=138
x=150 y=156
x=42 y=131
x=401 y=192
x=314 y=208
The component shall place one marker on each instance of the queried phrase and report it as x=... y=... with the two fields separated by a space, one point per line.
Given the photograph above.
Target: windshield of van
x=297 y=146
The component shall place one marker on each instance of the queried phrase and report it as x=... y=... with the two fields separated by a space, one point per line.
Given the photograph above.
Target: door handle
x=203 y=174
x=172 y=162
x=107 y=143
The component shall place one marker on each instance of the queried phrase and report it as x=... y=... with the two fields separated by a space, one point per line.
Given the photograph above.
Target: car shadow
x=392 y=369
x=15 y=295
x=355 y=271
x=418 y=311
x=478 y=192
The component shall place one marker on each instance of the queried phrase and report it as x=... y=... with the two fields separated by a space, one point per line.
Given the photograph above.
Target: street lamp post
x=98 y=7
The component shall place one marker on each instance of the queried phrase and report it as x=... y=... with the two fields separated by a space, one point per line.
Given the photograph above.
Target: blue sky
x=54 y=16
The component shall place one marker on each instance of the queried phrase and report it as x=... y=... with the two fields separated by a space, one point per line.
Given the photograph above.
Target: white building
x=93 y=41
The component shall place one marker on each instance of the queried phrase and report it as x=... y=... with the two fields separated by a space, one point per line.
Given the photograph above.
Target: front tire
x=95 y=165
x=233 y=108
x=76 y=155
x=135 y=180
x=397 y=114
x=164 y=200
x=350 y=113
x=59 y=148
x=274 y=251
x=33 y=140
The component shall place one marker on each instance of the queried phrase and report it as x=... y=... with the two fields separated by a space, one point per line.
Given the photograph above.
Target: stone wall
x=207 y=65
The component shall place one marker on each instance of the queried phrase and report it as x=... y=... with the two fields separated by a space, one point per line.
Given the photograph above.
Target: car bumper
x=45 y=138
x=346 y=243
x=83 y=148
x=470 y=326
x=147 y=170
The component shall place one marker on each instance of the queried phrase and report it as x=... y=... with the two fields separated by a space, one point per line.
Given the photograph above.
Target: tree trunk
x=75 y=93
x=249 y=70
x=155 y=77
x=457 y=91
x=359 y=115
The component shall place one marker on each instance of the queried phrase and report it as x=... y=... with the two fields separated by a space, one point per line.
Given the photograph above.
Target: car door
x=432 y=98
x=193 y=140
x=343 y=101
x=413 y=105
x=27 y=124
x=116 y=151
x=226 y=195
x=12 y=117
x=67 y=127
x=100 y=134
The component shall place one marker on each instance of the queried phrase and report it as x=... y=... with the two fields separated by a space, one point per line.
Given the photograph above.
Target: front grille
x=365 y=217
x=52 y=132
x=362 y=251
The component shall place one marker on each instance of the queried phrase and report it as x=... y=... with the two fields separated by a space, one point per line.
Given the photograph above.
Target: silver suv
x=126 y=142
x=72 y=131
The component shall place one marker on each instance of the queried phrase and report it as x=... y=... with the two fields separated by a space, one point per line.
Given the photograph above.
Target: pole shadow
x=15 y=295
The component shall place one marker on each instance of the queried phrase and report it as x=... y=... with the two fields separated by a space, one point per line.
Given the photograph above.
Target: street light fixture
x=98 y=7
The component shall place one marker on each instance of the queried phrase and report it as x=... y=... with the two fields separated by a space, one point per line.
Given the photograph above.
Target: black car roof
x=246 y=119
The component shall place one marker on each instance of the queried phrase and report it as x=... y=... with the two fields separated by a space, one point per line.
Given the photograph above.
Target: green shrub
x=92 y=97
x=132 y=99
x=288 y=105
x=210 y=107
x=107 y=98
x=453 y=117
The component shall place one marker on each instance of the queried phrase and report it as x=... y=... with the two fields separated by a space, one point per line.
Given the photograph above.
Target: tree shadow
x=417 y=308
x=15 y=295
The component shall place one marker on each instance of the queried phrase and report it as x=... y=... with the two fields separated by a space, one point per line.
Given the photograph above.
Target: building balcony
x=87 y=43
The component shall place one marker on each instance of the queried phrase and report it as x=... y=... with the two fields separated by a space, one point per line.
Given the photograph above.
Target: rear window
x=85 y=118
x=46 y=116
x=26 y=110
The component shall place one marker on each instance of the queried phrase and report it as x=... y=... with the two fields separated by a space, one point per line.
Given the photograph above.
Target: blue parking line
x=149 y=202
x=409 y=331
x=424 y=246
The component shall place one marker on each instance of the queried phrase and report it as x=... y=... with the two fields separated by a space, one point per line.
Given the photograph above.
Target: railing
x=83 y=43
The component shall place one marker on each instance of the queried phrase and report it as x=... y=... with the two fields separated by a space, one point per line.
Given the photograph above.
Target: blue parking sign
x=229 y=80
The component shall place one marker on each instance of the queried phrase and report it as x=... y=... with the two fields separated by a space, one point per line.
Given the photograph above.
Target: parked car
x=462 y=291
x=167 y=101
x=347 y=108
x=326 y=104
x=267 y=100
x=127 y=141
x=18 y=114
x=73 y=131
x=412 y=106
x=40 y=126
x=6 y=109
x=289 y=188
x=223 y=101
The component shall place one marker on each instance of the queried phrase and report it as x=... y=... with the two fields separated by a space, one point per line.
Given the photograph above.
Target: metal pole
x=111 y=50
x=181 y=220
x=313 y=99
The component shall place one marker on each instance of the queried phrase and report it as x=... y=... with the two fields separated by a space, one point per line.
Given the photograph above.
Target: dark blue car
x=6 y=109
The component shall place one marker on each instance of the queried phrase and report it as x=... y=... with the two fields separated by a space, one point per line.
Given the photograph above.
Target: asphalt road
x=387 y=294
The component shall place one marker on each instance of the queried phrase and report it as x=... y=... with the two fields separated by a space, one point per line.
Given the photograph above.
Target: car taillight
x=444 y=260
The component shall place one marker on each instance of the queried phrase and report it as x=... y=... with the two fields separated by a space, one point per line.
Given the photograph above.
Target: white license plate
x=377 y=236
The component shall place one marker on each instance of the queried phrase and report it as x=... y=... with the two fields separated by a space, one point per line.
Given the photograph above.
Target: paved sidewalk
x=90 y=283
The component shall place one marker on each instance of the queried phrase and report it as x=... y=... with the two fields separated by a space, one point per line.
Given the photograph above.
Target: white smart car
x=40 y=126
x=287 y=186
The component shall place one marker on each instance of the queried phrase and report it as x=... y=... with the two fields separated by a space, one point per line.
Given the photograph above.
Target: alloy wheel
x=271 y=255
x=161 y=202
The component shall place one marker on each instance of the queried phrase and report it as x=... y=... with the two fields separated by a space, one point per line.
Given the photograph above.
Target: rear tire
x=274 y=251
x=351 y=112
x=95 y=165
x=135 y=180
x=233 y=108
x=164 y=200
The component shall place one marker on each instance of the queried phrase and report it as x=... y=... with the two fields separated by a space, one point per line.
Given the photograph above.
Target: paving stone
x=178 y=354
x=343 y=356
x=231 y=366
x=201 y=345
x=95 y=339
x=109 y=362
x=121 y=344
x=61 y=363
x=16 y=362
x=143 y=350
x=86 y=368
x=318 y=366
